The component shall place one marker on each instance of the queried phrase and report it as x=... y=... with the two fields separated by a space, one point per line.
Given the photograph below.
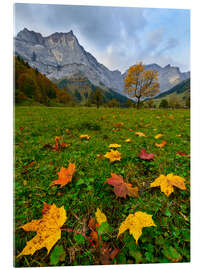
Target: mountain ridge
x=60 y=55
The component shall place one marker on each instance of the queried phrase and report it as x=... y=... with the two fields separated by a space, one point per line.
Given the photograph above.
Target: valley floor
x=37 y=163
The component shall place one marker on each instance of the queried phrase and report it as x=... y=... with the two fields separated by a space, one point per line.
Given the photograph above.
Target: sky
x=117 y=36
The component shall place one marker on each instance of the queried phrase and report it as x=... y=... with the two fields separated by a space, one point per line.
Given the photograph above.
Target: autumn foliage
x=30 y=84
x=140 y=82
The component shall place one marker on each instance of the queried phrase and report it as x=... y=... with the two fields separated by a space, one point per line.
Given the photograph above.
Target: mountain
x=181 y=92
x=80 y=88
x=182 y=87
x=60 y=55
x=169 y=76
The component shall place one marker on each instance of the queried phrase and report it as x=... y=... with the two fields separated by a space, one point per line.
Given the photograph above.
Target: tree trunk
x=138 y=103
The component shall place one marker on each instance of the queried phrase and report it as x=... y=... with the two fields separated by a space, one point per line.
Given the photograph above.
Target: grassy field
x=36 y=167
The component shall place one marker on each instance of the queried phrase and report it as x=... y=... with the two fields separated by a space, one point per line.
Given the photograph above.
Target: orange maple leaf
x=161 y=144
x=65 y=175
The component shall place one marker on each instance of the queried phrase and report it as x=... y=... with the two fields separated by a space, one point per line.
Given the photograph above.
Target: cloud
x=117 y=37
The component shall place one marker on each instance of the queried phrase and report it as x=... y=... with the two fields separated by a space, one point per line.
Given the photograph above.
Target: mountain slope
x=32 y=86
x=81 y=88
x=60 y=55
x=180 y=92
x=178 y=89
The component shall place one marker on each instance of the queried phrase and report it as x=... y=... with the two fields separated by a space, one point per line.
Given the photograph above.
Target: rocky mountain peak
x=30 y=36
x=60 y=55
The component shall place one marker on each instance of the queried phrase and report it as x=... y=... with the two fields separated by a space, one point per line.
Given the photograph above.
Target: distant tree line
x=30 y=84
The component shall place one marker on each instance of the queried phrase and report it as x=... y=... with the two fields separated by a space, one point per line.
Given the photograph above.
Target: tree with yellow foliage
x=140 y=82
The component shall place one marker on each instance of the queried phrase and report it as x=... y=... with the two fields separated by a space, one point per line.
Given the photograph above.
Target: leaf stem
x=70 y=230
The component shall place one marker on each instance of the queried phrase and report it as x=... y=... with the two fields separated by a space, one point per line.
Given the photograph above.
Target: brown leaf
x=91 y=224
x=121 y=189
x=119 y=124
x=94 y=236
x=107 y=254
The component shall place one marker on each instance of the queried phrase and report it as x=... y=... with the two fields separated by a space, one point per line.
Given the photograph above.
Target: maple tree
x=135 y=223
x=144 y=155
x=65 y=175
x=166 y=183
x=47 y=229
x=121 y=188
x=140 y=82
x=113 y=155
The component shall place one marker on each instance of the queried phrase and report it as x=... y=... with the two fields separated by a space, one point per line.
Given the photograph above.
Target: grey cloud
x=99 y=25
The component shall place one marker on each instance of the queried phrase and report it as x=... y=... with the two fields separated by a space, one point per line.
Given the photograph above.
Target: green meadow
x=37 y=164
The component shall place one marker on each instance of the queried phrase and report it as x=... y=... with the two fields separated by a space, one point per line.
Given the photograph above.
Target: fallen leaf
x=115 y=145
x=144 y=155
x=178 y=135
x=121 y=188
x=84 y=136
x=128 y=140
x=119 y=124
x=140 y=134
x=47 y=229
x=107 y=254
x=162 y=144
x=100 y=156
x=100 y=217
x=95 y=237
x=29 y=165
x=65 y=175
x=171 y=116
x=182 y=154
x=135 y=223
x=113 y=155
x=158 y=136
x=46 y=208
x=91 y=224
x=166 y=183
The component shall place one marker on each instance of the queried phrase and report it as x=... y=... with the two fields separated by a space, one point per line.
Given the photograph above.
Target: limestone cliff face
x=60 y=55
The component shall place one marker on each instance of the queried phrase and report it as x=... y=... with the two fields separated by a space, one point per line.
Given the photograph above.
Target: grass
x=169 y=241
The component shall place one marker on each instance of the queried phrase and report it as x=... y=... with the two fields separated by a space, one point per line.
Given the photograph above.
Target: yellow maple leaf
x=47 y=229
x=85 y=136
x=140 y=134
x=135 y=223
x=166 y=183
x=114 y=145
x=113 y=155
x=158 y=136
x=100 y=217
